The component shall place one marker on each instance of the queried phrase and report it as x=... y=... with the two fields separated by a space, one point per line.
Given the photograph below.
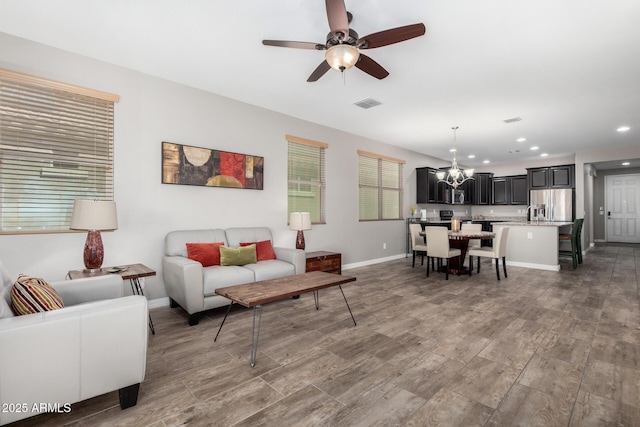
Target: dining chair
x=497 y=252
x=575 y=239
x=438 y=247
x=473 y=243
x=417 y=243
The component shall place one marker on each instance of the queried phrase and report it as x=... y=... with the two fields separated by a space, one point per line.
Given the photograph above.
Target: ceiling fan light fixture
x=341 y=57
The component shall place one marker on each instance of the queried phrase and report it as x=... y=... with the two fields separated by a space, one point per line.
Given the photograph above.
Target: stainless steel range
x=446 y=215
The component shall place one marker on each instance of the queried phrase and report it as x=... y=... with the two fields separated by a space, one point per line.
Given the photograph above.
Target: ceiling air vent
x=513 y=120
x=367 y=103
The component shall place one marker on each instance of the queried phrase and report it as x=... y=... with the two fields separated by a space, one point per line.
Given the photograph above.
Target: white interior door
x=623 y=207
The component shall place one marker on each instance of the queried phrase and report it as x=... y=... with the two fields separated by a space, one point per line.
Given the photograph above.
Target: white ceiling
x=570 y=69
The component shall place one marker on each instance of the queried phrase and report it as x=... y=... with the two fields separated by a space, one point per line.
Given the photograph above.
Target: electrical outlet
x=384 y=246
x=530 y=235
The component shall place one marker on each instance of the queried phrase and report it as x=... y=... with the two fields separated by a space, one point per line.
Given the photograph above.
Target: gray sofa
x=192 y=286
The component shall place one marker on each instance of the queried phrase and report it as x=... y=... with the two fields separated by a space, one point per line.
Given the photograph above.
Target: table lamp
x=93 y=216
x=300 y=221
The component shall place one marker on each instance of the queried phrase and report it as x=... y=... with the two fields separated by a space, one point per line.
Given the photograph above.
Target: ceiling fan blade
x=337 y=16
x=296 y=45
x=319 y=71
x=391 y=36
x=371 y=67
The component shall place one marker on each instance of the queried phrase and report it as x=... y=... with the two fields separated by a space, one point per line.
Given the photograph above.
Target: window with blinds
x=306 y=178
x=380 y=187
x=56 y=145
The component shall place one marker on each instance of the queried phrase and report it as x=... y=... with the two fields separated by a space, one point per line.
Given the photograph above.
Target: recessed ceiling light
x=623 y=128
x=471 y=156
x=625 y=163
x=544 y=155
x=453 y=150
x=485 y=161
x=534 y=148
x=521 y=139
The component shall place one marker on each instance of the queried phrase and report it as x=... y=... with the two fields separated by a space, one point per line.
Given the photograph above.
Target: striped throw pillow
x=32 y=295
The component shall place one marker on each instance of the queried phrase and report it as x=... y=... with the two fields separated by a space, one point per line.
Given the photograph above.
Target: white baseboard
x=158 y=302
x=534 y=266
x=372 y=261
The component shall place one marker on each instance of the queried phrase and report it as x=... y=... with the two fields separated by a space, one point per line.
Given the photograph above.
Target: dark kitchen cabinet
x=482 y=188
x=509 y=190
x=562 y=176
x=499 y=191
x=426 y=185
x=469 y=187
x=519 y=190
x=444 y=192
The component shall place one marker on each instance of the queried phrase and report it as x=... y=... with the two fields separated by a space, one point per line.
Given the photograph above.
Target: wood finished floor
x=537 y=348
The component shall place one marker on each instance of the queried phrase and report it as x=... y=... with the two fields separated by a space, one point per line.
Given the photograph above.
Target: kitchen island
x=534 y=244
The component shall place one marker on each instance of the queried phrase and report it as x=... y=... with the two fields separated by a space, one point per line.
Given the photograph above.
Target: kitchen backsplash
x=511 y=213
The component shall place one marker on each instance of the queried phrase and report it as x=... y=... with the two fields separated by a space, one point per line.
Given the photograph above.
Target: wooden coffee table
x=258 y=293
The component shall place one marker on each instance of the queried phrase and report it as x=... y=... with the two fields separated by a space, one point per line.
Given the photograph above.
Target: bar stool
x=576 y=243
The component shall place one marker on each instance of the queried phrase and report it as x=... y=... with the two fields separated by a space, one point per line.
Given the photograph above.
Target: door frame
x=606 y=202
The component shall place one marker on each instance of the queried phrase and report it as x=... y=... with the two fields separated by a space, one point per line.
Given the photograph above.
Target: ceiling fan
x=343 y=44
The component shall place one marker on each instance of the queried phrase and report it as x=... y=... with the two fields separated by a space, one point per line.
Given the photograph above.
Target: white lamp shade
x=342 y=56
x=94 y=215
x=468 y=172
x=300 y=221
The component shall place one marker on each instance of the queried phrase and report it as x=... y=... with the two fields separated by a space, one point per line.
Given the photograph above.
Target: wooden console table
x=329 y=262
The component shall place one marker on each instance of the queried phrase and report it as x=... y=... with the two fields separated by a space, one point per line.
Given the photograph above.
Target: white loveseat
x=94 y=345
x=192 y=286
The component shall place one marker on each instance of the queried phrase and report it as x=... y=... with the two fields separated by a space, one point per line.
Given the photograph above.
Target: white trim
x=372 y=261
x=546 y=267
x=158 y=302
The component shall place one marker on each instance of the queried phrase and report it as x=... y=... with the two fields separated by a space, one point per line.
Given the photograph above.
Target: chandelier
x=455 y=177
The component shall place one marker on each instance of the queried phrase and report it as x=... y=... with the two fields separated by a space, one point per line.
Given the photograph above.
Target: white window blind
x=380 y=187
x=306 y=177
x=56 y=145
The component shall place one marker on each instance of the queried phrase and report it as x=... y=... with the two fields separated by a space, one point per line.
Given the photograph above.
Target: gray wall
x=152 y=110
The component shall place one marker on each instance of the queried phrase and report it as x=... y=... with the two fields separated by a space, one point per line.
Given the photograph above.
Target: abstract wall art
x=187 y=165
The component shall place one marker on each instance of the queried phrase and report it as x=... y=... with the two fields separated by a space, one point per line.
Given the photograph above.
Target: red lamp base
x=300 y=240
x=93 y=252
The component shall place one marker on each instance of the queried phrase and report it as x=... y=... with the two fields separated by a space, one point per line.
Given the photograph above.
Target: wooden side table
x=329 y=262
x=131 y=272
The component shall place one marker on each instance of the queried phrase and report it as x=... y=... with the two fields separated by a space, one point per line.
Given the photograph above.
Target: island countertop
x=536 y=224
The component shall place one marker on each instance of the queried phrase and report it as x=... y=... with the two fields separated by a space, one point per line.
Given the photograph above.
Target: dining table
x=460 y=240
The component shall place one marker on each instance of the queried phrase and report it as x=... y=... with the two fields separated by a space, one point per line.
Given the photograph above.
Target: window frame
x=379 y=186
x=320 y=183
x=56 y=145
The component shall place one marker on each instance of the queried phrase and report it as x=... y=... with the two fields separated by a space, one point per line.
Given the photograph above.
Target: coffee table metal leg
x=345 y=300
x=316 y=299
x=225 y=318
x=255 y=333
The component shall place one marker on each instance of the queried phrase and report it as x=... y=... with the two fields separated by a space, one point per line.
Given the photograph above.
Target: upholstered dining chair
x=473 y=243
x=575 y=238
x=417 y=243
x=438 y=247
x=497 y=252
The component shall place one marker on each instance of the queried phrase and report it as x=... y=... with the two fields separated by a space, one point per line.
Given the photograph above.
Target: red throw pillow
x=207 y=254
x=264 y=249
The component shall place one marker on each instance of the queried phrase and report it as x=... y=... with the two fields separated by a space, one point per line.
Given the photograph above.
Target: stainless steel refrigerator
x=558 y=204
